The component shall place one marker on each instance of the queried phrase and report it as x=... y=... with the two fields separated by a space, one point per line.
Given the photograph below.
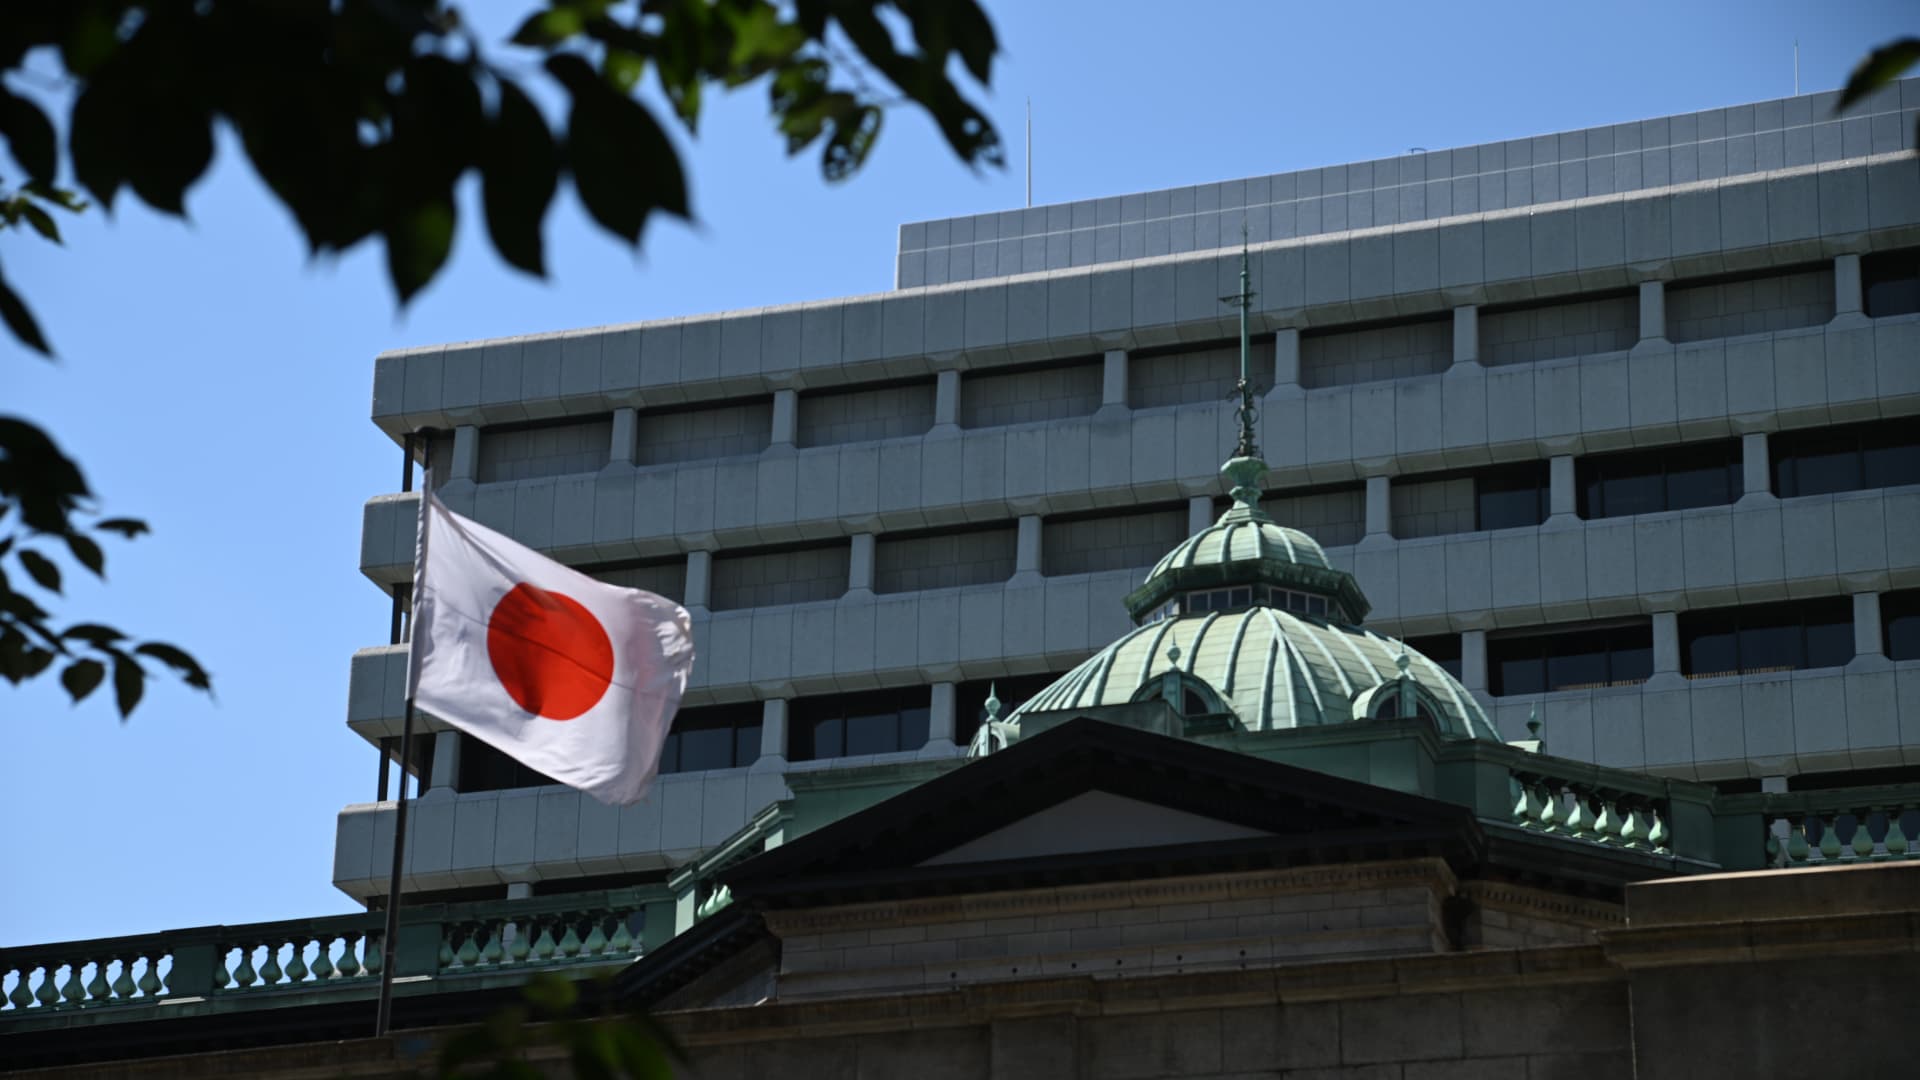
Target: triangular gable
x=1008 y=820
x=1093 y=821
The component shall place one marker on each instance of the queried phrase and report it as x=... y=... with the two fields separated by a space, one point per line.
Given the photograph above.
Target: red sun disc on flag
x=549 y=651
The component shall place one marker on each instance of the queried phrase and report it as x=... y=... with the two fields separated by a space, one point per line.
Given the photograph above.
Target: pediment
x=1093 y=821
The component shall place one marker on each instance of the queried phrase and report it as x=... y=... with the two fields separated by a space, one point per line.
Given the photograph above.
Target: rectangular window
x=770 y=577
x=1056 y=390
x=482 y=768
x=1669 y=478
x=543 y=448
x=1510 y=496
x=1752 y=640
x=1188 y=374
x=1850 y=457
x=1781 y=298
x=865 y=413
x=1890 y=282
x=1442 y=649
x=702 y=431
x=713 y=737
x=854 y=725
x=1128 y=540
x=1564 y=326
x=1542 y=661
x=662 y=577
x=1401 y=349
x=945 y=558
x=1900 y=624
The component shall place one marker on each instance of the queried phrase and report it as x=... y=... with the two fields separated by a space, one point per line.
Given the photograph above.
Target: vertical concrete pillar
x=1027 y=548
x=946 y=398
x=941 y=718
x=699 y=578
x=1473 y=659
x=1561 y=494
x=1113 y=380
x=1653 y=311
x=1199 y=513
x=1867 y=637
x=466 y=454
x=446 y=762
x=1666 y=643
x=1756 y=467
x=1286 y=357
x=1379 y=507
x=773 y=734
x=1466 y=334
x=626 y=433
x=1847 y=298
x=786 y=416
x=860 y=564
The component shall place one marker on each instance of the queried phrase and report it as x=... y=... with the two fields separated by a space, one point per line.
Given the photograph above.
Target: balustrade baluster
x=1633 y=833
x=622 y=942
x=123 y=983
x=522 y=941
x=1607 y=826
x=1896 y=839
x=349 y=965
x=96 y=987
x=270 y=972
x=371 y=954
x=1580 y=818
x=22 y=996
x=596 y=942
x=1776 y=855
x=244 y=975
x=297 y=964
x=1797 y=850
x=150 y=981
x=1522 y=806
x=469 y=952
x=74 y=991
x=444 y=958
x=543 y=945
x=323 y=960
x=1829 y=837
x=492 y=953
x=1862 y=839
x=48 y=994
x=570 y=941
x=1550 y=811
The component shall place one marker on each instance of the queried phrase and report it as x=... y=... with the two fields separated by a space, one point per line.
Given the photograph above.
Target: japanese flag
x=570 y=676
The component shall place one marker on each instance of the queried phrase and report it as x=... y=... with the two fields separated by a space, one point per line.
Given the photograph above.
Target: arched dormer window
x=1400 y=699
x=1189 y=696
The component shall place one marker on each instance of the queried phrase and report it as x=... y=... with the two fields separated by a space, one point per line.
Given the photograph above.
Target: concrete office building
x=1617 y=425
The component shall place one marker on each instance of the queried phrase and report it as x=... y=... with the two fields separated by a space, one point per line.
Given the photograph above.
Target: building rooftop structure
x=1589 y=556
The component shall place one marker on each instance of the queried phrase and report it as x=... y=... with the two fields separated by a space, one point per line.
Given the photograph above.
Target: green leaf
x=129 y=683
x=550 y=994
x=127 y=527
x=93 y=634
x=19 y=320
x=623 y=165
x=418 y=242
x=545 y=29
x=41 y=221
x=519 y=171
x=82 y=677
x=179 y=660
x=852 y=140
x=1882 y=66
x=21 y=659
x=29 y=136
x=88 y=553
x=41 y=569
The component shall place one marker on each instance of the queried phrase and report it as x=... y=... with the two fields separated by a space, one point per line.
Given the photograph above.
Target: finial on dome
x=1400 y=659
x=1533 y=721
x=1173 y=654
x=993 y=702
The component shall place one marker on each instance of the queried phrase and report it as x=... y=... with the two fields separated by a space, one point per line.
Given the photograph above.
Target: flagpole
x=383 y=1016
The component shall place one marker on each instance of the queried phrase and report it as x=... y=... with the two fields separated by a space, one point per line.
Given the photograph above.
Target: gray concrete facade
x=794 y=469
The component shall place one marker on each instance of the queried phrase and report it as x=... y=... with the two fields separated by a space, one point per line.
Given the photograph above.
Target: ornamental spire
x=1246 y=413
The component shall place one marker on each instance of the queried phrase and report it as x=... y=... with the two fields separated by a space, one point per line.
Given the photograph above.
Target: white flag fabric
x=570 y=676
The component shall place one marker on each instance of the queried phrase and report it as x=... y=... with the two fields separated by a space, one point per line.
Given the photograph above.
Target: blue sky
x=216 y=381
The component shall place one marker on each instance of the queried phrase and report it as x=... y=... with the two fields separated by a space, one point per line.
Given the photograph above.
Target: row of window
x=1789 y=636
x=1240 y=598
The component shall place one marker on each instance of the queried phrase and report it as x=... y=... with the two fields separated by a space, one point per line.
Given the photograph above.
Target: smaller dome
x=1248 y=548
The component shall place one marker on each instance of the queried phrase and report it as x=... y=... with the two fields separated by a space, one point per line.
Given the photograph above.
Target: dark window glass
x=1900 y=620
x=1771 y=637
x=1442 y=649
x=850 y=725
x=1819 y=461
x=713 y=737
x=1890 y=282
x=1570 y=659
x=1510 y=496
x=482 y=768
x=1670 y=478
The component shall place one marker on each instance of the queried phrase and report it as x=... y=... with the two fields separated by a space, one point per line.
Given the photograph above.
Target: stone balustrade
x=1835 y=826
x=1598 y=815
x=339 y=954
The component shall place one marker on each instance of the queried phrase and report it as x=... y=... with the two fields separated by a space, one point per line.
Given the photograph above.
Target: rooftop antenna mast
x=1796 y=67
x=1030 y=138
